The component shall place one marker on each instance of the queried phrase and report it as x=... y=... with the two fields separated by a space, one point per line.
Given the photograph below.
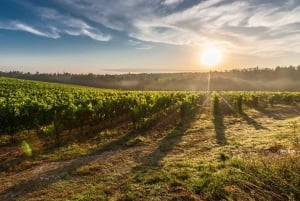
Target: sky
x=114 y=36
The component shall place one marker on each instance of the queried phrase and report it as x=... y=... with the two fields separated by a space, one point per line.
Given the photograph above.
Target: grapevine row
x=27 y=105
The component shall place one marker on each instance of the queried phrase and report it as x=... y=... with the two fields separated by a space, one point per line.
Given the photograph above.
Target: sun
x=211 y=57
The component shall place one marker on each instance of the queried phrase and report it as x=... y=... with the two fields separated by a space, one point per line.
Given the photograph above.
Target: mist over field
x=255 y=79
x=149 y=100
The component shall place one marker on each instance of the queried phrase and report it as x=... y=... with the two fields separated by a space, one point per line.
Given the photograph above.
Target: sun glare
x=211 y=57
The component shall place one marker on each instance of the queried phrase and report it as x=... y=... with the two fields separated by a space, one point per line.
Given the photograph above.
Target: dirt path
x=115 y=154
x=200 y=139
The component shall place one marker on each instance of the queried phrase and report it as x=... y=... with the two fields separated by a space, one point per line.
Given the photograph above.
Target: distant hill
x=278 y=79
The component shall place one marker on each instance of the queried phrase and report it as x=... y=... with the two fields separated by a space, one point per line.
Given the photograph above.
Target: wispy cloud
x=134 y=42
x=169 y=2
x=52 y=24
x=145 y=47
x=140 y=45
x=18 y=26
x=249 y=27
x=70 y=25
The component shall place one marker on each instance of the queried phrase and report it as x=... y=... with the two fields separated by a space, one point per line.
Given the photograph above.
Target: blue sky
x=98 y=36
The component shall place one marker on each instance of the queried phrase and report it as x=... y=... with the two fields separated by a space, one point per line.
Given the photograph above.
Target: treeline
x=254 y=79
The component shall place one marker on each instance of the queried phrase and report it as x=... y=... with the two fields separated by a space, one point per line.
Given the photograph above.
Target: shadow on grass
x=48 y=144
x=167 y=144
x=44 y=179
x=279 y=112
x=252 y=122
x=269 y=114
x=218 y=121
x=49 y=177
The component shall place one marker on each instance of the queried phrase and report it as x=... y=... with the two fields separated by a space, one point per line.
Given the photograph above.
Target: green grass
x=139 y=140
x=170 y=161
x=239 y=178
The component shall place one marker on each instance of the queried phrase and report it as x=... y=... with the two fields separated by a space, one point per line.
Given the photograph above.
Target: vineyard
x=161 y=140
x=29 y=105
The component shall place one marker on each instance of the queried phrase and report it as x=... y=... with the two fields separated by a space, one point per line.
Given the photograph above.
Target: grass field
x=162 y=100
x=229 y=156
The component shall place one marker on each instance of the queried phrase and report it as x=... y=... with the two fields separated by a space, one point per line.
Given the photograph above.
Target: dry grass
x=252 y=156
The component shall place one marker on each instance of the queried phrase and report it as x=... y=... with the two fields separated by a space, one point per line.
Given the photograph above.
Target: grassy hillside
x=215 y=151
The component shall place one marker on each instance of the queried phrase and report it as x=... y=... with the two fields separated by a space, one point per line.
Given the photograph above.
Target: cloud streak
x=248 y=27
x=52 y=24
x=70 y=25
x=240 y=26
x=140 y=45
x=170 y=2
x=19 y=26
